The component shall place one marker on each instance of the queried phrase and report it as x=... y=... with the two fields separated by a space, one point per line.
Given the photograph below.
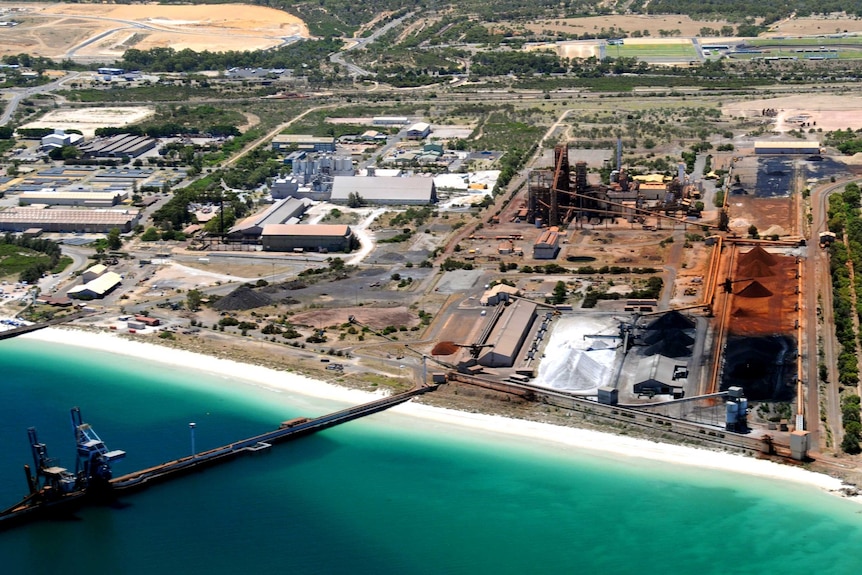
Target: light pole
x=192 y=434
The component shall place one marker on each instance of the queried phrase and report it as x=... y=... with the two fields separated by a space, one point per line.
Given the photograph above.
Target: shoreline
x=560 y=436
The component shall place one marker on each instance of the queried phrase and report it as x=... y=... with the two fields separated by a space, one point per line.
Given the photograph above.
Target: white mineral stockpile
x=573 y=362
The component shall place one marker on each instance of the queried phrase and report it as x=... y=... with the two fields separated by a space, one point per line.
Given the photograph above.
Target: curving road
x=820 y=284
x=19 y=94
x=353 y=69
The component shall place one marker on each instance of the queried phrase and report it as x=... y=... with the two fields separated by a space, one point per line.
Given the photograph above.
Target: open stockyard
x=87 y=120
x=104 y=32
x=827 y=112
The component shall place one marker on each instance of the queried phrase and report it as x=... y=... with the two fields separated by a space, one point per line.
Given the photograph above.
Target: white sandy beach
x=580 y=439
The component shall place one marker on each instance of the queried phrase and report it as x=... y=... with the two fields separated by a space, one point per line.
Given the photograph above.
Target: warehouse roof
x=332 y=230
x=278 y=213
x=48 y=194
x=80 y=216
x=373 y=188
x=99 y=286
x=302 y=138
x=97 y=269
x=787 y=144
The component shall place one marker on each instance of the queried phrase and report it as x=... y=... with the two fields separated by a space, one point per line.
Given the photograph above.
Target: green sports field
x=670 y=50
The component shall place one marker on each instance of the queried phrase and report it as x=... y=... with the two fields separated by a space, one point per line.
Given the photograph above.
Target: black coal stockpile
x=670 y=335
x=764 y=367
x=242 y=298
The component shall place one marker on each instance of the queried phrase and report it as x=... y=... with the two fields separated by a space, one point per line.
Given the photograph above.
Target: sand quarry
x=104 y=32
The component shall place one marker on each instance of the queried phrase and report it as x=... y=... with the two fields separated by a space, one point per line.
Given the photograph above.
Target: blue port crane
x=93 y=465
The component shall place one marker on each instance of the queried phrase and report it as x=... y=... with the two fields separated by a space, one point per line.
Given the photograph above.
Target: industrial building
x=787 y=147
x=67 y=220
x=119 y=146
x=498 y=294
x=97 y=288
x=547 y=245
x=303 y=142
x=560 y=196
x=660 y=375
x=419 y=131
x=93 y=272
x=378 y=190
x=311 y=175
x=60 y=138
x=287 y=211
x=389 y=120
x=298 y=237
x=86 y=199
x=508 y=334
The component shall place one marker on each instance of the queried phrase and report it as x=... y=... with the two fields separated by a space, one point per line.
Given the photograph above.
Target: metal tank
x=732 y=410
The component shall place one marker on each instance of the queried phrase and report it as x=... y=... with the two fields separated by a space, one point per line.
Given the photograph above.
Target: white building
x=376 y=190
x=60 y=138
x=419 y=131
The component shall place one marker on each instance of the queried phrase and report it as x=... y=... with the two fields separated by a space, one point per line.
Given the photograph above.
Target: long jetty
x=21 y=330
x=289 y=430
x=26 y=510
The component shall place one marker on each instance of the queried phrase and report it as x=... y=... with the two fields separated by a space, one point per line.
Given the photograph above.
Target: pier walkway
x=16 y=331
x=288 y=430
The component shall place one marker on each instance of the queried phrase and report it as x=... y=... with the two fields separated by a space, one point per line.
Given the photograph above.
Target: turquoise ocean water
x=381 y=495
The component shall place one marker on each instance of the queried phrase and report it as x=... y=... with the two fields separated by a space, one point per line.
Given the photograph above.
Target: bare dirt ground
x=832 y=24
x=377 y=318
x=765 y=213
x=88 y=119
x=106 y=31
x=653 y=24
x=830 y=112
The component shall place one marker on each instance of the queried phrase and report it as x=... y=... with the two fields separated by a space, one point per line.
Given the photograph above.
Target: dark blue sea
x=381 y=495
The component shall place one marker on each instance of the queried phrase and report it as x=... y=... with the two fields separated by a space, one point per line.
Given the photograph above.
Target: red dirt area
x=764 y=294
x=445 y=348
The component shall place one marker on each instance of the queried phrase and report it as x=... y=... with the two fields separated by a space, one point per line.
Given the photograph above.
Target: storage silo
x=732 y=410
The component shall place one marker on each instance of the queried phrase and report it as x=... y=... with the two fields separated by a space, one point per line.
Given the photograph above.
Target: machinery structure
x=559 y=197
x=55 y=489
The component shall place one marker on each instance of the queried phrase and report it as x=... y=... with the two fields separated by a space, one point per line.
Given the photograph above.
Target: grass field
x=14 y=259
x=670 y=50
x=800 y=42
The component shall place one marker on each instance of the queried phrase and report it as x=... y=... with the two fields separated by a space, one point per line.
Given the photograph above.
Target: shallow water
x=386 y=494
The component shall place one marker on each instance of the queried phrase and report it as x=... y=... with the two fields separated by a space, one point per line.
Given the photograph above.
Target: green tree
x=151 y=235
x=752 y=231
x=560 y=292
x=193 y=299
x=115 y=242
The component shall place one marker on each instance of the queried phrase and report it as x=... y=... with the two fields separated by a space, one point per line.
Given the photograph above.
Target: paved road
x=353 y=69
x=19 y=94
x=272 y=134
x=820 y=283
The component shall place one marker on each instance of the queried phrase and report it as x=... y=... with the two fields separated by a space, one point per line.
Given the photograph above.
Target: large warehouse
x=313 y=238
x=508 y=334
x=87 y=199
x=287 y=211
x=378 y=190
x=787 y=147
x=67 y=220
x=96 y=288
x=121 y=145
x=303 y=142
